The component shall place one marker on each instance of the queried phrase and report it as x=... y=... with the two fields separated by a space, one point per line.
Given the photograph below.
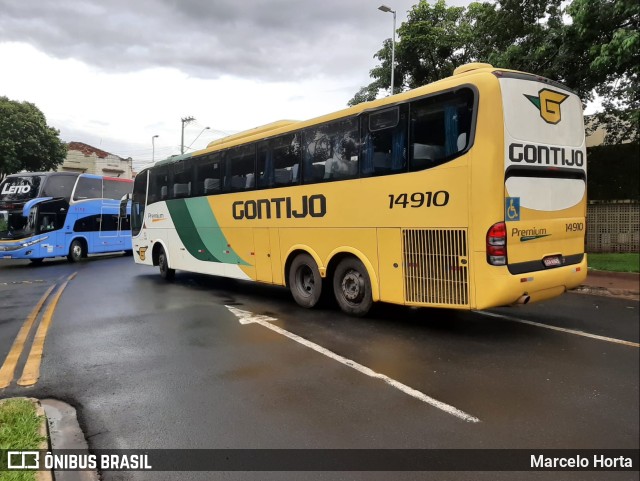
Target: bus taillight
x=497 y=244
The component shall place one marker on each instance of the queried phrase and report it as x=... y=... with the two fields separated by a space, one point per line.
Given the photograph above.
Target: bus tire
x=166 y=272
x=352 y=287
x=76 y=251
x=305 y=282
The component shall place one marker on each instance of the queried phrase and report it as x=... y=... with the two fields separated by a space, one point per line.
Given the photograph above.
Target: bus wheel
x=305 y=281
x=165 y=271
x=76 y=251
x=352 y=287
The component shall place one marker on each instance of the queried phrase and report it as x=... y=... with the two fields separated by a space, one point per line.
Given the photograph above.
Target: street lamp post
x=153 y=148
x=206 y=128
x=384 y=8
x=185 y=120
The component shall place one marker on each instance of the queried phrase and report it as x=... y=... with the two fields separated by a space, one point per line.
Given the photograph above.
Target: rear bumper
x=506 y=288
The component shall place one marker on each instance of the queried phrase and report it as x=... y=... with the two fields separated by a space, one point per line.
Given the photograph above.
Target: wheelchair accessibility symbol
x=512 y=209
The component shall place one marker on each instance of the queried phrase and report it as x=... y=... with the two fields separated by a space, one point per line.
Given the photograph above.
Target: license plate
x=552 y=261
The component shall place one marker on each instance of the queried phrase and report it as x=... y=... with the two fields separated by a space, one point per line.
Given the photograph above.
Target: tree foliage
x=592 y=46
x=26 y=141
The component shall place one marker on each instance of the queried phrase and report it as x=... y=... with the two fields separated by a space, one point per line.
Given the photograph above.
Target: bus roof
x=284 y=126
x=50 y=174
x=263 y=129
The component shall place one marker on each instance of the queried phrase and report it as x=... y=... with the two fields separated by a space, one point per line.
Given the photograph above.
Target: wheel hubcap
x=306 y=280
x=77 y=250
x=353 y=286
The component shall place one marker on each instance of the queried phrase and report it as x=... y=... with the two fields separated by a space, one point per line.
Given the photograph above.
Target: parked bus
x=53 y=214
x=467 y=193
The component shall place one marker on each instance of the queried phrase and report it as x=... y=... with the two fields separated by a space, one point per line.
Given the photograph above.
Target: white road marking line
x=247 y=317
x=562 y=329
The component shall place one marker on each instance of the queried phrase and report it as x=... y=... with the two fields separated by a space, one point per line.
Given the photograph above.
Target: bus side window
x=60 y=186
x=331 y=151
x=211 y=186
x=440 y=127
x=182 y=177
x=240 y=164
x=265 y=170
x=384 y=150
x=285 y=157
x=181 y=190
x=158 y=182
x=209 y=174
x=88 y=188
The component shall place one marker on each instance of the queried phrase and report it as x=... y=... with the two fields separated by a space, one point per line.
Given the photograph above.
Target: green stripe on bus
x=187 y=231
x=204 y=241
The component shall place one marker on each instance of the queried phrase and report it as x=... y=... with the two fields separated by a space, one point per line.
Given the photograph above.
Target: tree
x=607 y=32
x=26 y=141
x=592 y=46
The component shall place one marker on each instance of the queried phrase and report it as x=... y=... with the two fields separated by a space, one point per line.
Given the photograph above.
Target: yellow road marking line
x=31 y=371
x=9 y=366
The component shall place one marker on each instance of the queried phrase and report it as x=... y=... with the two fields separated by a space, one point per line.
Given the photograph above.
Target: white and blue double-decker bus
x=58 y=214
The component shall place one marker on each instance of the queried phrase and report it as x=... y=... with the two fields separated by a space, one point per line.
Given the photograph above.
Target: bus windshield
x=20 y=188
x=13 y=225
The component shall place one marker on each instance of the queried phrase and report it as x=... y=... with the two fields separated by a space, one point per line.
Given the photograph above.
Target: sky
x=115 y=73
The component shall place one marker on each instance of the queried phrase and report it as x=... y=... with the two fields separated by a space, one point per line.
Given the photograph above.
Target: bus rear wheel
x=165 y=271
x=305 y=281
x=76 y=251
x=352 y=287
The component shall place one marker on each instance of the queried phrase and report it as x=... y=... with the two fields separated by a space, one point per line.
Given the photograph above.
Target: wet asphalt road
x=150 y=364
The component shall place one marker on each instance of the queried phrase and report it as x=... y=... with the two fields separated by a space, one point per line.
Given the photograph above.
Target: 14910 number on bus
x=416 y=200
x=575 y=227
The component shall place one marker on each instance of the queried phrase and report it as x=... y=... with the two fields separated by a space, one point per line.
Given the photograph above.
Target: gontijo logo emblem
x=548 y=103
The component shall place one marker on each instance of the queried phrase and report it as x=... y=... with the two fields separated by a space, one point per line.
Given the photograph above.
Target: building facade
x=84 y=158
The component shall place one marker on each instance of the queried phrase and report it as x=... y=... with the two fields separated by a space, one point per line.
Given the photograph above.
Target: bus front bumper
x=23 y=249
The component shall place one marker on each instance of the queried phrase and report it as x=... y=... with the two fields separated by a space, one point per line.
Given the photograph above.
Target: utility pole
x=185 y=120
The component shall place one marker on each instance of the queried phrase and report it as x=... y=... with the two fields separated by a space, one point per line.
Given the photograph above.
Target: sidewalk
x=616 y=284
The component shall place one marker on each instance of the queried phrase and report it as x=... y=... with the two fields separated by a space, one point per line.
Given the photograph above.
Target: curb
x=43 y=431
x=624 y=285
x=607 y=292
x=65 y=433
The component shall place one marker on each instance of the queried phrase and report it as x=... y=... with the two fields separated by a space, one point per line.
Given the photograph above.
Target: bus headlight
x=33 y=242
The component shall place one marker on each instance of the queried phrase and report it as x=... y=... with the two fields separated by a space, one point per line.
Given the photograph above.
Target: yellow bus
x=467 y=193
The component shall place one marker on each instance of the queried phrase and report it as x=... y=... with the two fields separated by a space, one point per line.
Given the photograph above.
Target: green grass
x=19 y=429
x=614 y=262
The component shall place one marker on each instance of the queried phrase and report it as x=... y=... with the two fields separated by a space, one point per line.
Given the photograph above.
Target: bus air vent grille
x=436 y=269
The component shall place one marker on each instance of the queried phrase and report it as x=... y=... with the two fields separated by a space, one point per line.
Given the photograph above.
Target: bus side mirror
x=123 y=205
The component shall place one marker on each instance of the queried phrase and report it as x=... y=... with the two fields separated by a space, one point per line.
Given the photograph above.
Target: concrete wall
x=613 y=226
